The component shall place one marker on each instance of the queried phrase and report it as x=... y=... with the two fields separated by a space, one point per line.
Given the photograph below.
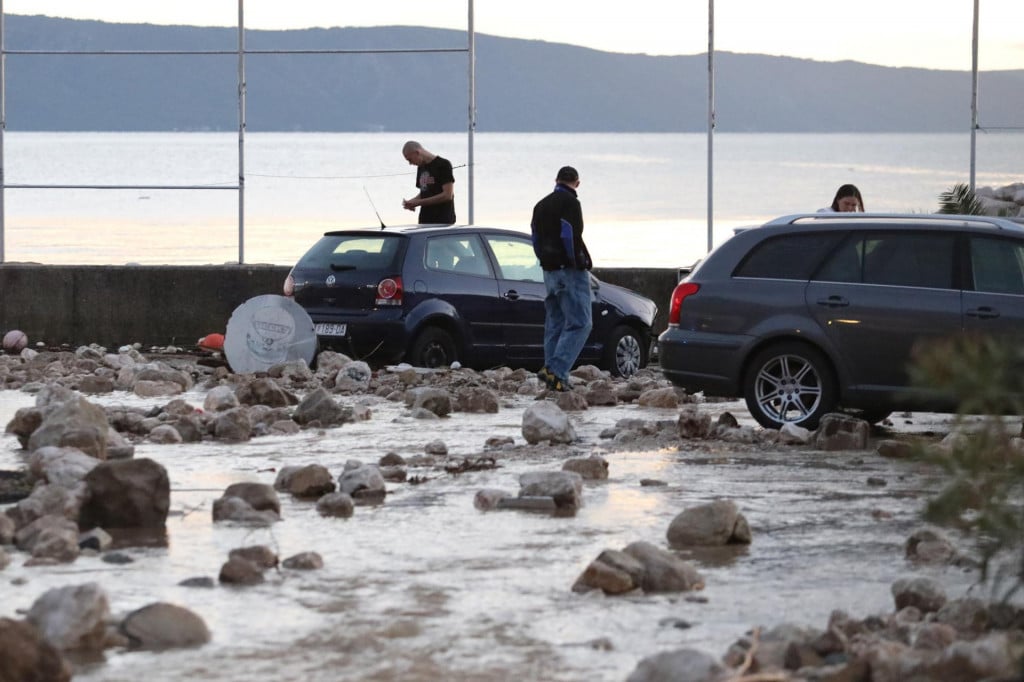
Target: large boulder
x=164 y=626
x=565 y=488
x=715 y=523
x=26 y=656
x=922 y=593
x=435 y=400
x=265 y=391
x=48 y=500
x=664 y=571
x=681 y=665
x=842 y=432
x=248 y=503
x=545 y=421
x=50 y=537
x=693 y=423
x=318 y=406
x=66 y=467
x=130 y=493
x=363 y=482
x=73 y=423
x=72 y=618
x=311 y=480
x=612 y=572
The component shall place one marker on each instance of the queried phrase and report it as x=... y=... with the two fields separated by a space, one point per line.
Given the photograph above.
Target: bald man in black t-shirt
x=436 y=182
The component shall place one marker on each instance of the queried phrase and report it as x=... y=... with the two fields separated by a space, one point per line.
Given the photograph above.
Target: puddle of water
x=425 y=587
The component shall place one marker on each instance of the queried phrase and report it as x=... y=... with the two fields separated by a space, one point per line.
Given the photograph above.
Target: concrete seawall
x=163 y=305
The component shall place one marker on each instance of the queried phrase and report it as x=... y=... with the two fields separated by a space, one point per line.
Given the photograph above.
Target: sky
x=933 y=34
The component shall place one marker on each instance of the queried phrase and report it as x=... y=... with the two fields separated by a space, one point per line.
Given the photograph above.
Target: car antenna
x=382 y=225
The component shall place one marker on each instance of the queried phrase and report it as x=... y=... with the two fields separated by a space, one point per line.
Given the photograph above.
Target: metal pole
x=472 y=108
x=974 y=91
x=241 y=132
x=711 y=120
x=3 y=124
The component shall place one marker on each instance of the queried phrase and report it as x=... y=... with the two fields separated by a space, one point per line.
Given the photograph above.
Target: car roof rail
x=993 y=221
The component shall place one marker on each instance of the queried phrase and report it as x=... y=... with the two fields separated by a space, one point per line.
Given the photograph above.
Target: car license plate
x=329 y=329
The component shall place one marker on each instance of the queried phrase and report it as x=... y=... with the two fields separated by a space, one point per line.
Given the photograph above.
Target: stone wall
x=176 y=305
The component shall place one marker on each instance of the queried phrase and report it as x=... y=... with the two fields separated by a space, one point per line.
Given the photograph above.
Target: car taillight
x=289 y=285
x=389 y=291
x=681 y=291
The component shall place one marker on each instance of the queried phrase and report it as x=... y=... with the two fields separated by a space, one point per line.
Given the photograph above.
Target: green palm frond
x=960 y=200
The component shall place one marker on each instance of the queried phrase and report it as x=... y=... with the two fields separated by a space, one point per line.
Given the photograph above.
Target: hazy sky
x=925 y=33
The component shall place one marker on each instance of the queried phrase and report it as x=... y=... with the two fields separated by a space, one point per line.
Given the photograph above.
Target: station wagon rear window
x=791 y=256
x=997 y=265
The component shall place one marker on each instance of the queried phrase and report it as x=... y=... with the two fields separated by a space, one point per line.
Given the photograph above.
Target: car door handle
x=984 y=313
x=512 y=295
x=833 y=302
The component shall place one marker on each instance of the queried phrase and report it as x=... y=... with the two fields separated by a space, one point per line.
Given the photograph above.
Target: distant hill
x=521 y=85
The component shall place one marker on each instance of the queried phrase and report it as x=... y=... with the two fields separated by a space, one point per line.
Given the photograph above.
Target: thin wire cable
x=213 y=185
x=342 y=177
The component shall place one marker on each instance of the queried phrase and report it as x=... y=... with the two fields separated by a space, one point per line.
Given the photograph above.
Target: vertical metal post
x=974 y=91
x=3 y=123
x=711 y=120
x=241 y=132
x=472 y=108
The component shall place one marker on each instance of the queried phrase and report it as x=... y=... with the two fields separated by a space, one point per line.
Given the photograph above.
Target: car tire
x=433 y=347
x=790 y=383
x=625 y=352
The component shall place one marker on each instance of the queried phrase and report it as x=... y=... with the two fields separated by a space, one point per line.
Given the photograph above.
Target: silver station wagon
x=809 y=314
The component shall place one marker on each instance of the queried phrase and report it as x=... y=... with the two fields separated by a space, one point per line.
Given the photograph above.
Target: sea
x=644 y=195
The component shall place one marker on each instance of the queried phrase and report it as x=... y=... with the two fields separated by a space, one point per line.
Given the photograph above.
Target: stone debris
x=81 y=462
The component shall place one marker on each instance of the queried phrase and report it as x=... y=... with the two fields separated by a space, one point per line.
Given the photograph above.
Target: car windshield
x=354 y=252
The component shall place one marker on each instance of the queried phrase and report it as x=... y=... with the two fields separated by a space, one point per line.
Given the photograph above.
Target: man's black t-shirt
x=430 y=179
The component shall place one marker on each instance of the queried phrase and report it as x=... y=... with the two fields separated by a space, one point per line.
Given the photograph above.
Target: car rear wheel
x=625 y=353
x=790 y=383
x=434 y=347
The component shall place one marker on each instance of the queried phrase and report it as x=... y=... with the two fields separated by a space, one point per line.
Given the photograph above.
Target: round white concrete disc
x=266 y=331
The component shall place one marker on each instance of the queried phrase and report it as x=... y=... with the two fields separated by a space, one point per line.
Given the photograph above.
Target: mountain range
x=521 y=85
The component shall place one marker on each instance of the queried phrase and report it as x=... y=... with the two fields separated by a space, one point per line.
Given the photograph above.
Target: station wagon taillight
x=682 y=290
x=389 y=291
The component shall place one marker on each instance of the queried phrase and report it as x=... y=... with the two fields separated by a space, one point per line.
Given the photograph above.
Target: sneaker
x=560 y=385
x=546 y=377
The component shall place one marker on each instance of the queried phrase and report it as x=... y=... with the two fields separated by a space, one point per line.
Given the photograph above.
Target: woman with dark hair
x=847 y=200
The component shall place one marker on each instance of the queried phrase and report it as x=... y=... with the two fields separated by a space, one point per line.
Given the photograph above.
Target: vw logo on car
x=330 y=280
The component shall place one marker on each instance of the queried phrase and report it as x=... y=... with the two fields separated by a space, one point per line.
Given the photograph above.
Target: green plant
x=984 y=492
x=960 y=200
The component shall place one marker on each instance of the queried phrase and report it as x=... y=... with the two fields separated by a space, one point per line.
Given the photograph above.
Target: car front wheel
x=790 y=383
x=625 y=353
x=433 y=347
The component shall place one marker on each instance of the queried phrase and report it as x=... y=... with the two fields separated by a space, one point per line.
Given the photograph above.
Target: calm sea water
x=644 y=195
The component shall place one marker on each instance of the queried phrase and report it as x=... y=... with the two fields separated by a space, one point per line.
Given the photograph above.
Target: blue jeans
x=568 y=318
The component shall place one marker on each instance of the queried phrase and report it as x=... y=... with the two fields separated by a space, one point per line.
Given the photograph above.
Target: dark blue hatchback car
x=434 y=295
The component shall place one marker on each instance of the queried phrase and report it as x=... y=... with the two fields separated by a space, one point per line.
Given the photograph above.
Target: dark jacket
x=557 y=229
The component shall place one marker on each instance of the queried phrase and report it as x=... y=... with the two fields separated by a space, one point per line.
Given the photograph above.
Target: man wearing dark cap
x=557 y=230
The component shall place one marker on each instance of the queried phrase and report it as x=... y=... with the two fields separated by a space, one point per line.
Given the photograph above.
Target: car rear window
x=355 y=252
x=790 y=256
x=997 y=265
